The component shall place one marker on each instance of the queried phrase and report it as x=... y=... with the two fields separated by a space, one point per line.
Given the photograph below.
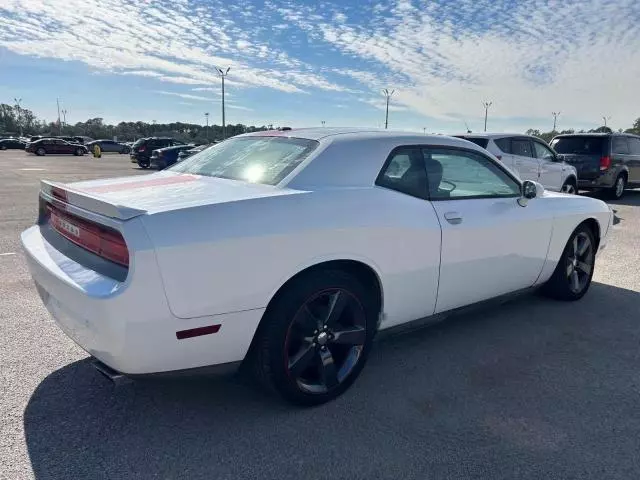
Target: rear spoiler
x=58 y=192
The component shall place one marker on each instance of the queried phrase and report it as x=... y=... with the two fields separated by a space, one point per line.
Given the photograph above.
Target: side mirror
x=530 y=190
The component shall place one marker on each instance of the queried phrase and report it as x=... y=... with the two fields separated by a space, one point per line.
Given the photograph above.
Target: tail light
x=141 y=149
x=104 y=242
x=605 y=162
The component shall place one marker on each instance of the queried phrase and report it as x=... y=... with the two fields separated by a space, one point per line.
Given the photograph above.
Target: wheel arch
x=571 y=178
x=595 y=228
x=363 y=271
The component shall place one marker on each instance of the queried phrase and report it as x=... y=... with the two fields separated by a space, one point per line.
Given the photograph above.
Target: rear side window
x=521 y=146
x=579 y=145
x=620 y=146
x=504 y=144
x=634 y=145
x=405 y=172
x=265 y=160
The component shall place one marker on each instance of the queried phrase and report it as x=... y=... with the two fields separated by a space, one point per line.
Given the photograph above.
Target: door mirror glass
x=529 y=189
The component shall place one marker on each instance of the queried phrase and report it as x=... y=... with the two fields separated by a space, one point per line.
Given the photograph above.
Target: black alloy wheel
x=40 y=152
x=315 y=337
x=325 y=340
x=572 y=276
x=579 y=262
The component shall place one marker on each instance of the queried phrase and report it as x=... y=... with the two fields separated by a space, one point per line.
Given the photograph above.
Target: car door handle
x=453 y=218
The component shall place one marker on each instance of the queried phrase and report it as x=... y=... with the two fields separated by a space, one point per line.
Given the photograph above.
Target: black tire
x=619 y=185
x=3 y=147
x=40 y=152
x=570 y=187
x=80 y=152
x=143 y=165
x=282 y=341
x=561 y=285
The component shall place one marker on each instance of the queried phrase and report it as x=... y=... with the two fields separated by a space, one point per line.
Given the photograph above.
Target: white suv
x=530 y=157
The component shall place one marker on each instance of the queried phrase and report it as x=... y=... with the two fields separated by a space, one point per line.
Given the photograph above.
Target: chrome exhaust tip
x=116 y=377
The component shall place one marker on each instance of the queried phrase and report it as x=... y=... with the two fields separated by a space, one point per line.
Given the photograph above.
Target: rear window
x=138 y=142
x=265 y=160
x=481 y=142
x=579 y=145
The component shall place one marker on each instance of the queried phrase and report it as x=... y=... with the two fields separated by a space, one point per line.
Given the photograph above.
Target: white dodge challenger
x=289 y=250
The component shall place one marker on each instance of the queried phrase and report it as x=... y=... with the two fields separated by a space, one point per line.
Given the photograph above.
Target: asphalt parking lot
x=530 y=388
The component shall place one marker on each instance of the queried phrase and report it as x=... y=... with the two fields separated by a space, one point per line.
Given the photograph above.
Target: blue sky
x=299 y=63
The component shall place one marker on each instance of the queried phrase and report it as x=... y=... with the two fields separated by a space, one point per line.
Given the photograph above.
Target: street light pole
x=18 y=100
x=555 y=119
x=59 y=124
x=387 y=94
x=64 y=116
x=223 y=74
x=206 y=132
x=323 y=122
x=605 y=120
x=486 y=113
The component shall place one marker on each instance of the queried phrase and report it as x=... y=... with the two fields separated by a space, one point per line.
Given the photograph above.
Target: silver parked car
x=531 y=158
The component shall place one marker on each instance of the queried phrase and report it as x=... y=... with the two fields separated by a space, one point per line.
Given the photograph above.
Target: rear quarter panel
x=235 y=256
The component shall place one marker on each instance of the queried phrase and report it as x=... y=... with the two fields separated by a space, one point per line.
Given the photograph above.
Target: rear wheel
x=617 y=190
x=315 y=337
x=79 y=152
x=3 y=147
x=572 y=276
x=570 y=187
x=40 y=152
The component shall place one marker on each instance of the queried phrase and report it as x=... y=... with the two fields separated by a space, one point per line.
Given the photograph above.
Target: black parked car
x=144 y=147
x=12 y=143
x=56 y=146
x=165 y=157
x=603 y=160
x=109 y=146
x=187 y=153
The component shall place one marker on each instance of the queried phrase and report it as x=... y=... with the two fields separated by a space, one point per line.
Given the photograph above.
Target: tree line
x=15 y=120
x=547 y=136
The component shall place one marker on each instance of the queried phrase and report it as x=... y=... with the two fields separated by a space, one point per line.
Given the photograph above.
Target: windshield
x=579 y=145
x=265 y=160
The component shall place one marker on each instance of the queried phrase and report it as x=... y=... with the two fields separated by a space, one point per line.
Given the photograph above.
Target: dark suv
x=141 y=150
x=603 y=160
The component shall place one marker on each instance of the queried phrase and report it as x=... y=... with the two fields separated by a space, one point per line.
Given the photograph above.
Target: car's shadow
x=530 y=386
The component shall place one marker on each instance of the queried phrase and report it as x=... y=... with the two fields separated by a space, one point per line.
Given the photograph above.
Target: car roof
x=353 y=157
x=492 y=135
x=317 y=133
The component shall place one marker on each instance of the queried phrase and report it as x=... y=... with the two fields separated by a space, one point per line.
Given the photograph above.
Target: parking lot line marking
x=7 y=254
x=33 y=169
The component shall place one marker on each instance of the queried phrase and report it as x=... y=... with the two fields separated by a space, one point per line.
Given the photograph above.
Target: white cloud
x=238 y=107
x=160 y=39
x=532 y=58
x=187 y=96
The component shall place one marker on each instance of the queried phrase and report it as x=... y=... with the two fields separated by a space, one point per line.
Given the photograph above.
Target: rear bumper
x=159 y=164
x=605 y=180
x=128 y=325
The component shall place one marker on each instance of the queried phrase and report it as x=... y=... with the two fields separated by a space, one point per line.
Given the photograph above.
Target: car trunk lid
x=127 y=197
